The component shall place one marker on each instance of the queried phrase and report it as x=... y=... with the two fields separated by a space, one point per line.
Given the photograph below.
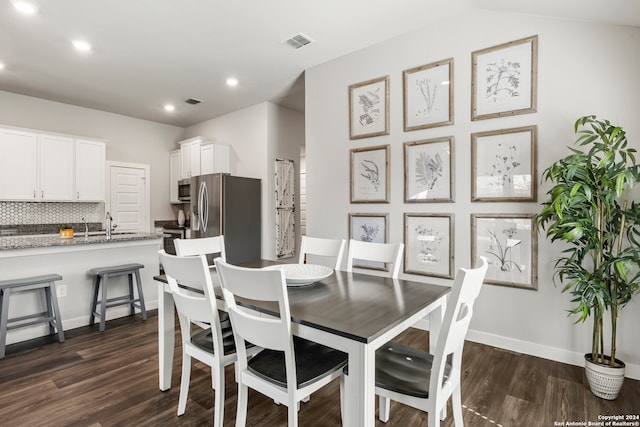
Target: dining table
x=353 y=312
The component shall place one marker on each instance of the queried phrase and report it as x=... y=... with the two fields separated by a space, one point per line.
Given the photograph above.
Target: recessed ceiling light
x=81 y=45
x=25 y=7
x=445 y=82
x=232 y=81
x=169 y=107
x=1 y=66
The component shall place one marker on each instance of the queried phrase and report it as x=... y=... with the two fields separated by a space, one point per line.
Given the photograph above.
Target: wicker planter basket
x=605 y=381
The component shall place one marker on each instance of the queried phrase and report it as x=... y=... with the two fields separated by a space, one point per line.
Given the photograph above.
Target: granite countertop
x=51 y=240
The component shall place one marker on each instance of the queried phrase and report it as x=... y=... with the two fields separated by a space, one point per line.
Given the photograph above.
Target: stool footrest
x=33 y=322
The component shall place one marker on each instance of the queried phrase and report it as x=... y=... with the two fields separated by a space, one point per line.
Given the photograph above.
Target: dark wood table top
x=356 y=306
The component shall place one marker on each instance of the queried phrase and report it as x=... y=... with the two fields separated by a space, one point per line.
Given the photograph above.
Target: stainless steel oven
x=168 y=236
x=184 y=190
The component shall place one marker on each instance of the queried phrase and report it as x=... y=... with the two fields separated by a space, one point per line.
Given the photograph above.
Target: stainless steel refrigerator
x=231 y=206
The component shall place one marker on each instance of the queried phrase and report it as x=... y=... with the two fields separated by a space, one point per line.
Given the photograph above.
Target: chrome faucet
x=86 y=228
x=107 y=224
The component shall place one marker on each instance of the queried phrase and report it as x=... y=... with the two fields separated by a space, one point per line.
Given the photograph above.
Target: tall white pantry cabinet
x=38 y=166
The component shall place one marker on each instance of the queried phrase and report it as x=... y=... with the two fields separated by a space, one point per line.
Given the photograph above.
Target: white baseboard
x=546 y=352
x=28 y=333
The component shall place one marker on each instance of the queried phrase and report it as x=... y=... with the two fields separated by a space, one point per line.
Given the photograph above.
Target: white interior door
x=129 y=196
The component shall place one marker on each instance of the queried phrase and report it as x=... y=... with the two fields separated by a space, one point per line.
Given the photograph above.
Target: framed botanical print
x=369 y=227
x=369 y=108
x=428 y=241
x=428 y=95
x=428 y=170
x=370 y=174
x=509 y=241
x=504 y=79
x=503 y=165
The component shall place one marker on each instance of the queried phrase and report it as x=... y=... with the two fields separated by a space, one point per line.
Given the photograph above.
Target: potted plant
x=65 y=231
x=589 y=210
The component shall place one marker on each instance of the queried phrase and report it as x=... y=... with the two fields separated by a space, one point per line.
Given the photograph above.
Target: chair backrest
x=249 y=325
x=322 y=247
x=388 y=253
x=457 y=318
x=211 y=246
x=193 y=272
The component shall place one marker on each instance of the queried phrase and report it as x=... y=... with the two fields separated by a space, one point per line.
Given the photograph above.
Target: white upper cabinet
x=89 y=170
x=18 y=165
x=214 y=158
x=174 y=176
x=190 y=155
x=55 y=158
x=38 y=166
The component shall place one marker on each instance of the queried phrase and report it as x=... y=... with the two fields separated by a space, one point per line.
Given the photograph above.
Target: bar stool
x=103 y=274
x=51 y=316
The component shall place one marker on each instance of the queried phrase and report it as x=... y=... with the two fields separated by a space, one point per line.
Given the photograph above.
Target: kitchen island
x=32 y=255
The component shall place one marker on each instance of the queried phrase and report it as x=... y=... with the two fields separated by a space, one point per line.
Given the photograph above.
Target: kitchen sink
x=104 y=233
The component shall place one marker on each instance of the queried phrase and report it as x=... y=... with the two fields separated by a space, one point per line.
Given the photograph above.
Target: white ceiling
x=150 y=52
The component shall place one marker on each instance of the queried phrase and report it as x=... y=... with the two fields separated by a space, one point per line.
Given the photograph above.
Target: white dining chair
x=211 y=246
x=426 y=381
x=388 y=253
x=289 y=368
x=321 y=249
x=214 y=346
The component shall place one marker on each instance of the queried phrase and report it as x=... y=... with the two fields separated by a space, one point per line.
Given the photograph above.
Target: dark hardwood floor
x=111 y=379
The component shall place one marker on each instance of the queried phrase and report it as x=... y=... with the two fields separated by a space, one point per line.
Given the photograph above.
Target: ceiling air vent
x=193 y=101
x=298 y=41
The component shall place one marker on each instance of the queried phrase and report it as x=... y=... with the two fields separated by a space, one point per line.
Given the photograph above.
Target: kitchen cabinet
x=90 y=170
x=190 y=157
x=38 y=166
x=174 y=176
x=55 y=166
x=214 y=158
x=18 y=164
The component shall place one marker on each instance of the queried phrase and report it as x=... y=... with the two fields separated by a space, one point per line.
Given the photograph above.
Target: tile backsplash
x=22 y=213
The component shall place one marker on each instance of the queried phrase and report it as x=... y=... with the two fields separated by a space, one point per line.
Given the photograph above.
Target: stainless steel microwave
x=184 y=190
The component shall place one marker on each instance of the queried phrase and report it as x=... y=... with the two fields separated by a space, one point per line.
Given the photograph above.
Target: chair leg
x=94 y=305
x=184 y=383
x=48 y=298
x=384 y=403
x=56 y=312
x=243 y=400
x=342 y=402
x=143 y=310
x=292 y=411
x=456 y=402
x=433 y=419
x=132 y=297
x=218 y=409
x=103 y=303
x=4 y=319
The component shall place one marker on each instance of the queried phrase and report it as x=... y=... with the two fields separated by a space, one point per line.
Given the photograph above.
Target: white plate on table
x=302 y=274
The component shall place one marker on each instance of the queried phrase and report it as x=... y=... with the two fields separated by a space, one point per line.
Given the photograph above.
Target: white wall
x=257 y=136
x=583 y=68
x=128 y=139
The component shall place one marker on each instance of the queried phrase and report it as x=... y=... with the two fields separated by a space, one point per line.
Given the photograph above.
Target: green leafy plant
x=588 y=208
x=65 y=226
